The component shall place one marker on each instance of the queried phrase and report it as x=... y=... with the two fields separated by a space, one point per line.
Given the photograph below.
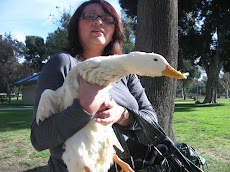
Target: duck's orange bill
x=173 y=73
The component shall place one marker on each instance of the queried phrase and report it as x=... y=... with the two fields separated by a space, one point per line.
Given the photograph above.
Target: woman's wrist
x=124 y=116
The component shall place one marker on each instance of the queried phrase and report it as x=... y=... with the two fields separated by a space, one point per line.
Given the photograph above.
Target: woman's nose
x=98 y=21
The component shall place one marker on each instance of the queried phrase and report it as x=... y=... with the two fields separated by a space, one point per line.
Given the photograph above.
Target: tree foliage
x=58 y=39
x=204 y=36
x=55 y=41
x=129 y=31
x=38 y=51
x=185 y=65
x=225 y=82
x=35 y=52
x=130 y=7
x=10 y=50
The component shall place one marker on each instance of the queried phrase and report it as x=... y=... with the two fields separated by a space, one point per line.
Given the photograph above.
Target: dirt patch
x=24 y=168
x=18 y=155
x=214 y=154
x=191 y=122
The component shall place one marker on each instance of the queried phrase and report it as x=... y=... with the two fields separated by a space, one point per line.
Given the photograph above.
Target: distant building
x=28 y=89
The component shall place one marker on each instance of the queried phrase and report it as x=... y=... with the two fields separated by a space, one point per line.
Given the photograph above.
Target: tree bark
x=212 y=82
x=213 y=64
x=157 y=31
x=8 y=93
x=212 y=68
x=227 y=94
x=184 y=95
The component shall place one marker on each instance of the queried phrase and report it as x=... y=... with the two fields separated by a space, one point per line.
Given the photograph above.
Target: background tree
x=35 y=52
x=10 y=50
x=225 y=82
x=157 y=32
x=197 y=74
x=58 y=39
x=185 y=65
x=25 y=70
x=38 y=51
x=129 y=31
x=130 y=7
x=204 y=36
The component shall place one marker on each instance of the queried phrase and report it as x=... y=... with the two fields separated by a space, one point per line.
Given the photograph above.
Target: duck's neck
x=103 y=71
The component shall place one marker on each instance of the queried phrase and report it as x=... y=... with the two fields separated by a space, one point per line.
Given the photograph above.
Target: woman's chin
x=99 y=41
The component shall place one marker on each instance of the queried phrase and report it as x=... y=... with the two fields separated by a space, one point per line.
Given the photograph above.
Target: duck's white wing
x=49 y=104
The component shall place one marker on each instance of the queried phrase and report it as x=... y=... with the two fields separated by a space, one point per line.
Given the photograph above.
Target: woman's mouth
x=98 y=31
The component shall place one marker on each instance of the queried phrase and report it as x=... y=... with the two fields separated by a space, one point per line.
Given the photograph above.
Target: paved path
x=32 y=108
x=183 y=102
x=16 y=108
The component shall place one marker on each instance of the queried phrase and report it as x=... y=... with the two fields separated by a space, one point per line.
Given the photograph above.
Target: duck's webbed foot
x=87 y=169
x=124 y=166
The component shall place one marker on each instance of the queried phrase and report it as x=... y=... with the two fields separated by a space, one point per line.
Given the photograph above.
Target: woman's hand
x=96 y=100
x=111 y=115
x=93 y=98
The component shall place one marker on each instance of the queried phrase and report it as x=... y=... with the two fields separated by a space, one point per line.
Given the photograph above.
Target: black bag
x=176 y=158
x=191 y=154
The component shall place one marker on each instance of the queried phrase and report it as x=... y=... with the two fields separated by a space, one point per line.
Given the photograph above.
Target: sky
x=36 y=17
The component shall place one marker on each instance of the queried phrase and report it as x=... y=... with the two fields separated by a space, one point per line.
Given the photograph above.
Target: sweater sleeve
x=145 y=108
x=56 y=129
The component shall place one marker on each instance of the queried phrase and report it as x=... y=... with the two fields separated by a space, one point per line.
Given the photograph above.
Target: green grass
x=16 y=151
x=14 y=104
x=206 y=127
x=182 y=100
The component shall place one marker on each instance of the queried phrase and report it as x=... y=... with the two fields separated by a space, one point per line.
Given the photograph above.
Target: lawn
x=205 y=127
x=14 y=103
x=16 y=151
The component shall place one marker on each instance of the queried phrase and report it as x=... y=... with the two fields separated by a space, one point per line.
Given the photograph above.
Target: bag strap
x=156 y=135
x=125 y=154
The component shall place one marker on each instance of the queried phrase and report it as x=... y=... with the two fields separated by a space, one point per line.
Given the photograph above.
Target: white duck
x=92 y=146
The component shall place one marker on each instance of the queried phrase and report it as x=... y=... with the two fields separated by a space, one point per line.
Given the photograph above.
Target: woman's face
x=95 y=33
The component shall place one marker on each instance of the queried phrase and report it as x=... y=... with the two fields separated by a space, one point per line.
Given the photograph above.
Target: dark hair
x=114 y=47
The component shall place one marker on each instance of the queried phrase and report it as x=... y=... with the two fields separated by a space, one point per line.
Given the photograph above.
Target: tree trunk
x=227 y=94
x=212 y=69
x=183 y=91
x=213 y=65
x=8 y=93
x=18 y=93
x=157 y=31
x=210 y=95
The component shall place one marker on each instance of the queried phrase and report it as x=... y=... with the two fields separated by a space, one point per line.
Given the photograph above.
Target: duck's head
x=151 y=64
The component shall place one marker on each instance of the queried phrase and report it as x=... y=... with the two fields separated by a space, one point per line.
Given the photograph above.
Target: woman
x=94 y=30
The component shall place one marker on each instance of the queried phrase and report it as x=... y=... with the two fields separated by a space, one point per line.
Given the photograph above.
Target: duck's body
x=92 y=146
x=94 y=149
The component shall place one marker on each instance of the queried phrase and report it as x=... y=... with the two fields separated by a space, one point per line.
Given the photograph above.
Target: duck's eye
x=155 y=60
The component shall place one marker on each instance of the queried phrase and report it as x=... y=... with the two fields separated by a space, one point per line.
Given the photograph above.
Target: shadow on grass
x=15 y=106
x=38 y=169
x=188 y=107
x=15 y=120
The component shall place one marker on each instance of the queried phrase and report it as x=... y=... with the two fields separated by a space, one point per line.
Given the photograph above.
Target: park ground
x=204 y=127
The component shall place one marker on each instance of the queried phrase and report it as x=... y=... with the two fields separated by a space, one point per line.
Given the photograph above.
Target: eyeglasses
x=104 y=18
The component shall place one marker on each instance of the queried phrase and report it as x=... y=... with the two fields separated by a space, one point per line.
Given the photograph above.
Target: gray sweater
x=54 y=131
